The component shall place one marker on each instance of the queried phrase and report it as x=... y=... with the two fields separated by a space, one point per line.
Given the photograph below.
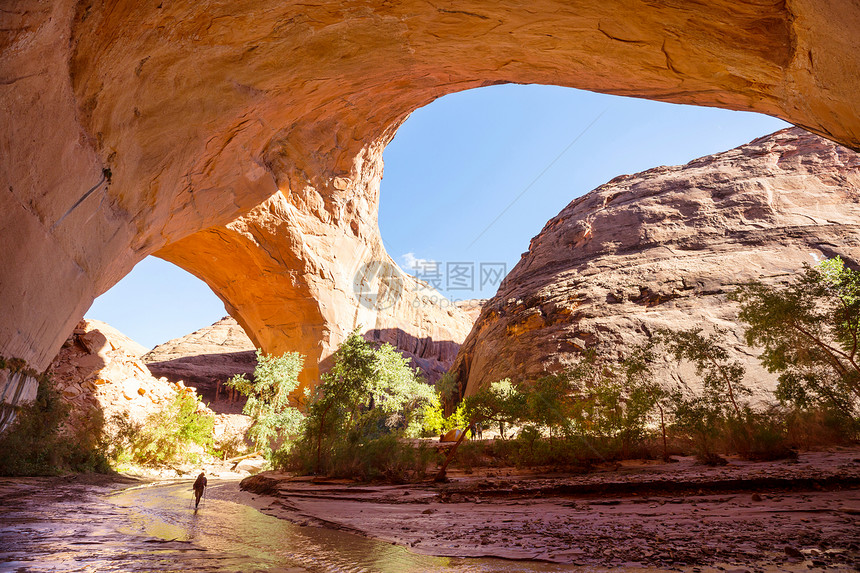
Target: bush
x=167 y=436
x=384 y=458
x=38 y=444
x=811 y=428
x=760 y=436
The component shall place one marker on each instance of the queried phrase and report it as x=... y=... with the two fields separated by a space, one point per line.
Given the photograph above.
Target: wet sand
x=782 y=515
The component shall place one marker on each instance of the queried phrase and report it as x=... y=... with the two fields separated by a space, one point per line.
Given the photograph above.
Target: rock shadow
x=433 y=357
x=208 y=373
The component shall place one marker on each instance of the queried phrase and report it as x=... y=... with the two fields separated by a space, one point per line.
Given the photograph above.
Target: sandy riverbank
x=782 y=515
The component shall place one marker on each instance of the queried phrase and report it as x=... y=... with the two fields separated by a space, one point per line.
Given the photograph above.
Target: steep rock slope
x=662 y=248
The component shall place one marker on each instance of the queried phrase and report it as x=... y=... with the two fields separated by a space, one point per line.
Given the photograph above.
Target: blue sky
x=469 y=180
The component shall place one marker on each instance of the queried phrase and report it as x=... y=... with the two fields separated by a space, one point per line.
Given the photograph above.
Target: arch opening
x=471 y=178
x=288 y=270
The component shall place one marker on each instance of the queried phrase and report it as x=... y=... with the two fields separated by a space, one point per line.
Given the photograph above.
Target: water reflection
x=236 y=532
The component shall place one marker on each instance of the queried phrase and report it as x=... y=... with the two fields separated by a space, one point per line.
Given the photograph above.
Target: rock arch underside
x=243 y=139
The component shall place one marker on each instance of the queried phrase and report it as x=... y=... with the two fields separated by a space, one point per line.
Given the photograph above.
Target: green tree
x=272 y=404
x=38 y=442
x=500 y=402
x=593 y=400
x=368 y=393
x=701 y=419
x=721 y=409
x=722 y=378
x=810 y=332
x=550 y=402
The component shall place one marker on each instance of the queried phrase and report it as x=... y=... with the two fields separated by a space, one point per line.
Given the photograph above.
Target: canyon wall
x=130 y=128
x=661 y=249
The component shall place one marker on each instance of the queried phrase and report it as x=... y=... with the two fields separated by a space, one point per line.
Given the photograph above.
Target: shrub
x=816 y=427
x=702 y=421
x=167 y=436
x=760 y=435
x=38 y=444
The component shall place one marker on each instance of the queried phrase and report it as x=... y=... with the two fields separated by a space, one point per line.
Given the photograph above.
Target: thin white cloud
x=411 y=263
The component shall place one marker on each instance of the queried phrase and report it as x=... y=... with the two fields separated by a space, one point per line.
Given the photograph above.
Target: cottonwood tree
x=722 y=403
x=368 y=393
x=722 y=377
x=272 y=404
x=810 y=332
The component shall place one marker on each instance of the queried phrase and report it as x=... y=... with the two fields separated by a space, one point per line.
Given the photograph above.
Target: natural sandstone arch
x=201 y=110
x=293 y=275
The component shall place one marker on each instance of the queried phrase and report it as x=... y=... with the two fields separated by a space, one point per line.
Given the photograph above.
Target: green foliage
x=810 y=428
x=432 y=418
x=271 y=404
x=601 y=411
x=434 y=423
x=698 y=418
x=168 y=436
x=761 y=435
x=809 y=329
x=720 y=412
x=500 y=402
x=369 y=394
x=386 y=457
x=38 y=444
x=722 y=378
x=591 y=400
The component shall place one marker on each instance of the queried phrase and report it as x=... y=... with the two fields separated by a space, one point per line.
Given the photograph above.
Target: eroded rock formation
x=206 y=356
x=99 y=371
x=299 y=273
x=130 y=126
x=662 y=248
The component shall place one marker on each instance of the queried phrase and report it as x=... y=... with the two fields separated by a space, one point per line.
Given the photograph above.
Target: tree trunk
x=441 y=475
x=663 y=428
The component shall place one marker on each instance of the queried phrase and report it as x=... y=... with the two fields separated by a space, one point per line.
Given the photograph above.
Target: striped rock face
x=662 y=249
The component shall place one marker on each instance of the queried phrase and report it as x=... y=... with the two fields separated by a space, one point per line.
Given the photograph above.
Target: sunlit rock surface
x=301 y=280
x=662 y=248
x=128 y=127
x=99 y=371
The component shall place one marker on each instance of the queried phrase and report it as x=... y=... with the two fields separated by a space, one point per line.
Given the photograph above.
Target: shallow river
x=51 y=526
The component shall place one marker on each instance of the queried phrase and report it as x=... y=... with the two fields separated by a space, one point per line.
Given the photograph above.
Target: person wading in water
x=199 y=486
